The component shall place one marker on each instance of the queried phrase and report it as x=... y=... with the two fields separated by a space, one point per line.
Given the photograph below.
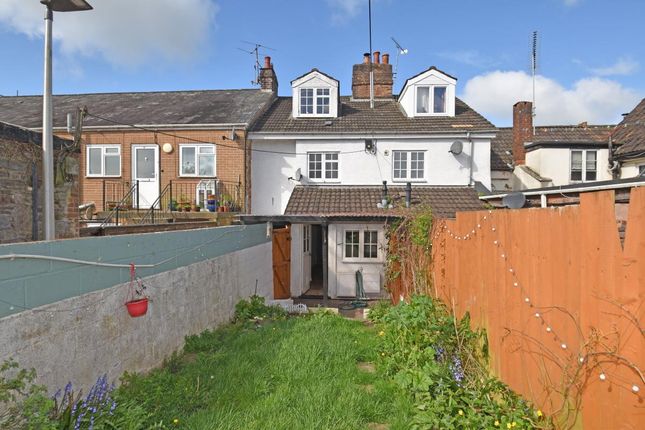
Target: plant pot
x=137 y=308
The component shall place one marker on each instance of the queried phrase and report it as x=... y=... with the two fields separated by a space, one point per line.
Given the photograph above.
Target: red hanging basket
x=137 y=301
x=137 y=308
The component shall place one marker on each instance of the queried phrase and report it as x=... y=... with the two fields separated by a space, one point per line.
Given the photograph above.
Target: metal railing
x=113 y=192
x=124 y=204
x=184 y=196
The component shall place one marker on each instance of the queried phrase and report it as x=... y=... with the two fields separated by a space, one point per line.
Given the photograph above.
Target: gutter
x=223 y=126
x=563 y=189
x=361 y=135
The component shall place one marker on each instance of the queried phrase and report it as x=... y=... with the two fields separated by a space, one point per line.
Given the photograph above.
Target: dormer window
x=314 y=100
x=430 y=93
x=436 y=104
x=315 y=94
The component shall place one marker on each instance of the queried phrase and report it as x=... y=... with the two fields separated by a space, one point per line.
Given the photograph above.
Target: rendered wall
x=87 y=335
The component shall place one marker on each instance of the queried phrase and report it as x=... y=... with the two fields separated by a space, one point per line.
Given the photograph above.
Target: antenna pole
x=371 y=65
x=533 y=69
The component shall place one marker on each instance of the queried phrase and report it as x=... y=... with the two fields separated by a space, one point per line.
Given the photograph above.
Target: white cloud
x=124 y=32
x=470 y=58
x=344 y=10
x=593 y=99
x=622 y=66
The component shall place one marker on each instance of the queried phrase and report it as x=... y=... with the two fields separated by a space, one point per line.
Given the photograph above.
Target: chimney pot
x=267 y=62
x=386 y=58
x=366 y=58
x=377 y=55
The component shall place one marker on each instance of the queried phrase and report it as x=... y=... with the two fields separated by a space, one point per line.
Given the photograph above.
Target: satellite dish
x=456 y=147
x=514 y=200
x=298 y=175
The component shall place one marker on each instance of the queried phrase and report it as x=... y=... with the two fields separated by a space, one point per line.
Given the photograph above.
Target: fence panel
x=560 y=299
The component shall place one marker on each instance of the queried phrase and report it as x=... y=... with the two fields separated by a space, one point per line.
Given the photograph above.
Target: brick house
x=195 y=139
x=21 y=187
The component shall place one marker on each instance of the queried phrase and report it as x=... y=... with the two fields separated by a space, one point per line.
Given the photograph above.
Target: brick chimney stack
x=268 y=79
x=382 y=77
x=522 y=130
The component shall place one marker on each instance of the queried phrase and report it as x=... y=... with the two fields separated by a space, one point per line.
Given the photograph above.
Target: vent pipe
x=408 y=194
x=384 y=189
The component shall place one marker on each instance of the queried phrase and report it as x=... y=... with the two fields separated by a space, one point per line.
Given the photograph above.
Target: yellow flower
x=513 y=424
x=508 y=425
x=381 y=333
x=383 y=354
x=496 y=423
x=460 y=412
x=539 y=413
x=175 y=421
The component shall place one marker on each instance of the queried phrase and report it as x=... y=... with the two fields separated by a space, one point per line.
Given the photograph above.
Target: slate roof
x=356 y=117
x=630 y=133
x=546 y=135
x=19 y=134
x=360 y=201
x=503 y=142
x=572 y=134
x=158 y=108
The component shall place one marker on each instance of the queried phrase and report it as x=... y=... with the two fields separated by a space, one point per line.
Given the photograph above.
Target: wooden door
x=306 y=257
x=282 y=263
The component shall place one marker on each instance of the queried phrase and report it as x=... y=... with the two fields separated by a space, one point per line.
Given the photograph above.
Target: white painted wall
x=270 y=186
x=270 y=189
x=342 y=281
x=629 y=169
x=501 y=181
x=429 y=78
x=555 y=163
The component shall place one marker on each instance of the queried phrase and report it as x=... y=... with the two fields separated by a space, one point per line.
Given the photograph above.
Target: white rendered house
x=323 y=163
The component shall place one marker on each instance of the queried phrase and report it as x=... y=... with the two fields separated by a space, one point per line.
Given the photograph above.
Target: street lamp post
x=48 y=133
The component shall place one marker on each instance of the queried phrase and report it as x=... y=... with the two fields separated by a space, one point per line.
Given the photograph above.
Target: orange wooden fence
x=561 y=300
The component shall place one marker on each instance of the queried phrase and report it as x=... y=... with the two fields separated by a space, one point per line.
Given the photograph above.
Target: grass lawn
x=299 y=373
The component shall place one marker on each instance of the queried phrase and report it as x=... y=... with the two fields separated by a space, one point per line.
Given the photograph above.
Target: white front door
x=306 y=257
x=145 y=170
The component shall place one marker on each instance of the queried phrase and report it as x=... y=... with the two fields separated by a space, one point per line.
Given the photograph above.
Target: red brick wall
x=522 y=130
x=229 y=156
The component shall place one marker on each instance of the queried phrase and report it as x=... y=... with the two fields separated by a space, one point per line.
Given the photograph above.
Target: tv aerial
x=400 y=50
x=255 y=51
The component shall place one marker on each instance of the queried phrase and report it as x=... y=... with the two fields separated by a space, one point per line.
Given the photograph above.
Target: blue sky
x=591 y=52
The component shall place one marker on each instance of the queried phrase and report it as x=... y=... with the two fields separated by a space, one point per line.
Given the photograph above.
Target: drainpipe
x=543 y=201
x=614 y=165
x=384 y=192
x=408 y=194
x=325 y=264
x=472 y=157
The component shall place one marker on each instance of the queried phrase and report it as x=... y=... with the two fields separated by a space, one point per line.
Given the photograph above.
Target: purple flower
x=456 y=369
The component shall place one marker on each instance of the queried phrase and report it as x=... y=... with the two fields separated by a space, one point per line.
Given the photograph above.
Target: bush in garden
x=441 y=362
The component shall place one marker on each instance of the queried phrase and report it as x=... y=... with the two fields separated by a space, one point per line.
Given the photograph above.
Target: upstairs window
x=314 y=101
x=323 y=165
x=435 y=104
x=103 y=160
x=408 y=165
x=197 y=160
x=641 y=170
x=583 y=165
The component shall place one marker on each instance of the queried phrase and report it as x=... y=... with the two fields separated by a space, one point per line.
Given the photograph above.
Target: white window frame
x=431 y=90
x=583 y=171
x=408 y=168
x=325 y=172
x=641 y=169
x=318 y=98
x=196 y=161
x=103 y=156
x=361 y=245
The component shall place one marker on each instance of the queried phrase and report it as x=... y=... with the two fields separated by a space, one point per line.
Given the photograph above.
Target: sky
x=591 y=53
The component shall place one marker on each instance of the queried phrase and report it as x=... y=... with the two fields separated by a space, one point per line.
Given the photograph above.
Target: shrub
x=255 y=307
x=442 y=363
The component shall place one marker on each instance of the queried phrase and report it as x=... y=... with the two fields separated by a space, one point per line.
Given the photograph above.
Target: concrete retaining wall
x=80 y=338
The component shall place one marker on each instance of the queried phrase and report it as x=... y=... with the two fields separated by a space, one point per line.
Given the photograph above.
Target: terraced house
x=336 y=169
x=180 y=146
